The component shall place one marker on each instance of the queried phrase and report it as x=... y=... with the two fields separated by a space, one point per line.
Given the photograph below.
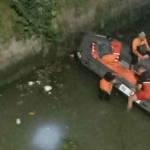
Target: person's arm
x=111 y=85
x=134 y=48
x=110 y=88
x=139 y=87
x=147 y=46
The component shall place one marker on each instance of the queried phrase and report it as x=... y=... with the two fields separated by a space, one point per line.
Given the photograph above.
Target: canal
x=71 y=116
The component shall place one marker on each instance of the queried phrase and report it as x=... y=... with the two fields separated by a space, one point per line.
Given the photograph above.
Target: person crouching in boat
x=143 y=87
x=140 y=48
x=106 y=85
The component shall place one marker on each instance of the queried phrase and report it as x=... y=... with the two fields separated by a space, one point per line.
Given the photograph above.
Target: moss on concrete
x=7 y=20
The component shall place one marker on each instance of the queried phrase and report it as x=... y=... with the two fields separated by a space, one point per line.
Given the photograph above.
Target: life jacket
x=105 y=85
x=116 y=48
x=94 y=53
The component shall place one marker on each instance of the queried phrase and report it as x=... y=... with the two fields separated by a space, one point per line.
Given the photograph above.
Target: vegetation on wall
x=35 y=17
x=7 y=20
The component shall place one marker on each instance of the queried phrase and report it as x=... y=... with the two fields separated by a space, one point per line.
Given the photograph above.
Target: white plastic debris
x=55 y=98
x=30 y=83
x=38 y=82
x=72 y=55
x=49 y=93
x=47 y=88
x=18 y=121
x=19 y=103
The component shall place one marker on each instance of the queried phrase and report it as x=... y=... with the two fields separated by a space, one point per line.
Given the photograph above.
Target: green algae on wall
x=7 y=20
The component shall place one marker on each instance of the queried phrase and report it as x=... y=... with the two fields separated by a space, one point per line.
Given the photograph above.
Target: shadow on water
x=71 y=117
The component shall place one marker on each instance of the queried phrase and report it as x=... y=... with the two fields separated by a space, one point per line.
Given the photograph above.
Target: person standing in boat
x=140 y=48
x=143 y=87
x=106 y=85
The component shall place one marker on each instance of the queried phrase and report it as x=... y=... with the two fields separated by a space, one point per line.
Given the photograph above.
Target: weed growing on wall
x=7 y=20
x=35 y=16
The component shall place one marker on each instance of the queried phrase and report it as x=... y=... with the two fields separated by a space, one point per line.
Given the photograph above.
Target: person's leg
x=133 y=61
x=103 y=95
x=131 y=99
x=100 y=94
x=107 y=97
x=141 y=95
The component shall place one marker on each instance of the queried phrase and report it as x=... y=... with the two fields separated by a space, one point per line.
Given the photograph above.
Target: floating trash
x=32 y=113
x=30 y=83
x=18 y=121
x=47 y=88
x=69 y=145
x=72 y=55
x=55 y=98
x=19 y=103
x=38 y=82
x=21 y=95
x=49 y=93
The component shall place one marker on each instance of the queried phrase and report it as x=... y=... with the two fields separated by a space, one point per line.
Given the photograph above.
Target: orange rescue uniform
x=105 y=85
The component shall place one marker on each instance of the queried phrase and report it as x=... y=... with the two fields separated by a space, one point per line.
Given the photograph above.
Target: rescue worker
x=143 y=87
x=106 y=85
x=140 y=48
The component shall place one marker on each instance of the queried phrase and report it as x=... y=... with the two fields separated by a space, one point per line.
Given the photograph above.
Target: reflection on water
x=48 y=137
